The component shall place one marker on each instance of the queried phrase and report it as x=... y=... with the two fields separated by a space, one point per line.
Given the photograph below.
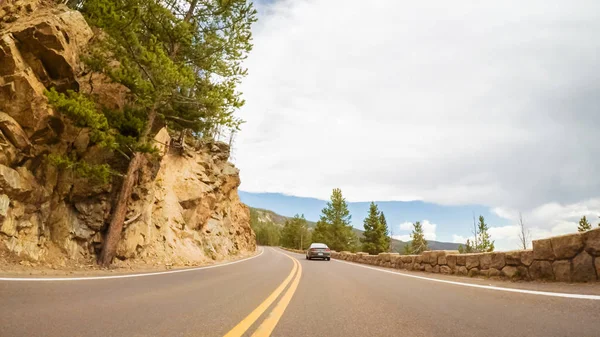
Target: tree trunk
x=109 y=248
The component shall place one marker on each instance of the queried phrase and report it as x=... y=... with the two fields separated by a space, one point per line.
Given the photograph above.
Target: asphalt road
x=281 y=294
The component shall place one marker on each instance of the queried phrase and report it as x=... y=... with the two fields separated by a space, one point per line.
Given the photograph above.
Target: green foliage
x=97 y=174
x=375 y=239
x=267 y=234
x=418 y=244
x=295 y=233
x=484 y=242
x=584 y=225
x=334 y=228
x=467 y=248
x=181 y=59
x=82 y=111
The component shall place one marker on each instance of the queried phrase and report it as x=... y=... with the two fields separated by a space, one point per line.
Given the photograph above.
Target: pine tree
x=375 y=238
x=333 y=228
x=484 y=244
x=370 y=236
x=295 y=233
x=180 y=62
x=384 y=233
x=418 y=244
x=584 y=225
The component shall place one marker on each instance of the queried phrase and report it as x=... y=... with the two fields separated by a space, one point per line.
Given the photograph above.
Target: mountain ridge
x=265 y=215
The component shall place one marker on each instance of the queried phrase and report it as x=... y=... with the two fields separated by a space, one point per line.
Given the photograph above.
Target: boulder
x=474 y=272
x=451 y=261
x=408 y=258
x=510 y=272
x=436 y=269
x=462 y=270
x=14 y=185
x=493 y=272
x=562 y=270
x=597 y=263
x=13 y=132
x=4 y=207
x=583 y=268
x=513 y=258
x=566 y=246
x=527 y=257
x=523 y=273
x=542 y=250
x=591 y=241
x=428 y=268
x=498 y=260
x=442 y=259
x=485 y=260
x=461 y=260
x=541 y=270
x=472 y=260
x=447 y=270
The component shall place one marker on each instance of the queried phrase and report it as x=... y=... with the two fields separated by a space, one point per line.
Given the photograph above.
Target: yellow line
x=245 y=324
x=268 y=325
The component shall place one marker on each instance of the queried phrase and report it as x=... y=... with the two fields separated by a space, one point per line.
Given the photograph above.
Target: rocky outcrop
x=185 y=208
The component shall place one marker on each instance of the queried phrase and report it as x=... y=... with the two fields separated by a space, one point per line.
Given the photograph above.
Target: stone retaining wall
x=566 y=258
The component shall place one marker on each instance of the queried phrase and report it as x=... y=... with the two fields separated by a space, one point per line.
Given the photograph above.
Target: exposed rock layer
x=185 y=209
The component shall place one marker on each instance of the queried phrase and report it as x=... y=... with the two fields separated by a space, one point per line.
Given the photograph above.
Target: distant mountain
x=265 y=216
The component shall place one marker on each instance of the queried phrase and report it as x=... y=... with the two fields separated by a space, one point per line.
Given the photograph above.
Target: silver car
x=318 y=251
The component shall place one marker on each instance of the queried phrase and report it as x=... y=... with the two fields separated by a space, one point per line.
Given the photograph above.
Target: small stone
x=542 y=250
x=562 y=270
x=583 y=268
x=541 y=270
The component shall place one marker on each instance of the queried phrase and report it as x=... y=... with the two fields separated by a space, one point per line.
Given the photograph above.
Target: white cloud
x=491 y=103
x=406 y=226
x=429 y=230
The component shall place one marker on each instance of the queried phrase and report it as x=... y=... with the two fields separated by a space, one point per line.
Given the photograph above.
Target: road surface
x=281 y=294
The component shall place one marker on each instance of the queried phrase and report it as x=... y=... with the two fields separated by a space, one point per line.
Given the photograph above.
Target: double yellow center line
x=269 y=323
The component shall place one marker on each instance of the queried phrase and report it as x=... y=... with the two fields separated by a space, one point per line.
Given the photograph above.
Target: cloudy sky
x=452 y=103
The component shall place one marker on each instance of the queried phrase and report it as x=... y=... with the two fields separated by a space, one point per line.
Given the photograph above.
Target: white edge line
x=90 y=278
x=512 y=290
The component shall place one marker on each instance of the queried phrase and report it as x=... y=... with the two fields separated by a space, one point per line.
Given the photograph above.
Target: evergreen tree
x=584 y=225
x=467 y=248
x=385 y=232
x=418 y=244
x=375 y=239
x=484 y=242
x=295 y=233
x=333 y=228
x=180 y=62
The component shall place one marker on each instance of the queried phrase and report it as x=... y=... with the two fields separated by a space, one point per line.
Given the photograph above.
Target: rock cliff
x=185 y=209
